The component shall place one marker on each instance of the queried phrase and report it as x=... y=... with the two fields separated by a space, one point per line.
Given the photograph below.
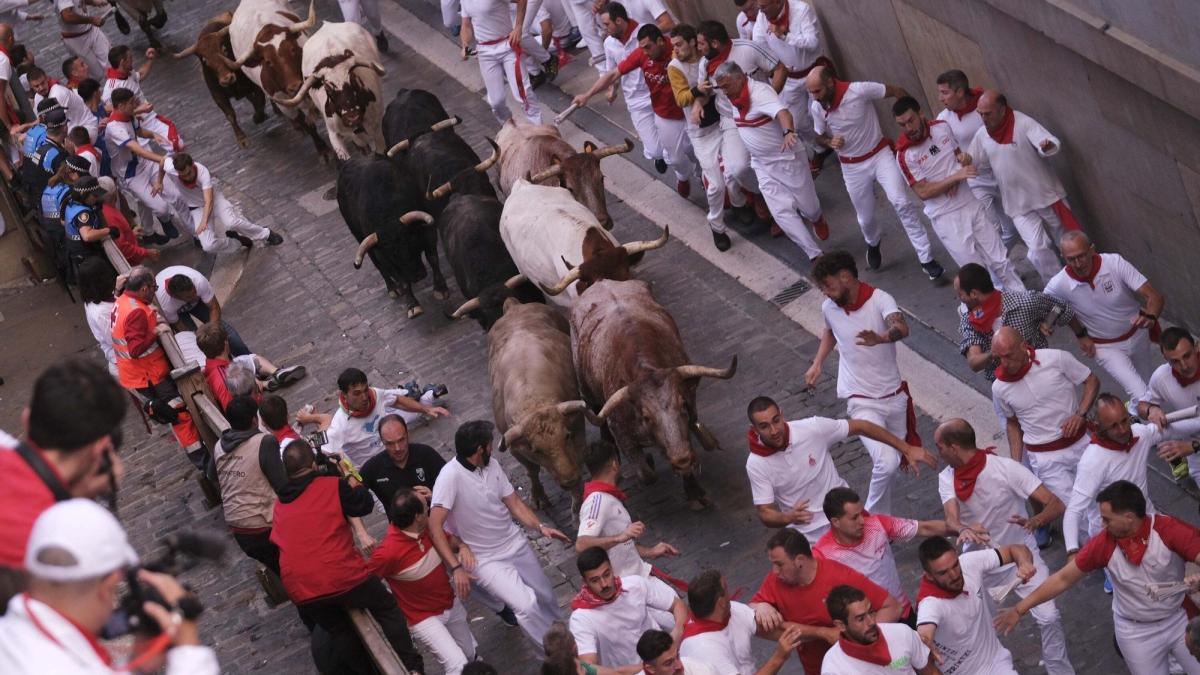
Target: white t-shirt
x=603 y=515
x=1108 y=309
x=1000 y=491
x=745 y=27
x=933 y=160
x=170 y=306
x=755 y=60
x=78 y=6
x=491 y=19
x=123 y=164
x=358 y=437
x=964 y=129
x=613 y=630
x=77 y=111
x=760 y=131
x=633 y=85
x=1165 y=391
x=854 y=119
x=99 y=318
x=1043 y=399
x=803 y=470
x=905 y=646
x=646 y=11
x=192 y=195
x=965 y=637
x=862 y=370
x=477 y=514
x=1026 y=182
x=802 y=44
x=726 y=650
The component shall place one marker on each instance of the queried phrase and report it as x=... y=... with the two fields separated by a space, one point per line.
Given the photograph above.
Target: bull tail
x=122 y=23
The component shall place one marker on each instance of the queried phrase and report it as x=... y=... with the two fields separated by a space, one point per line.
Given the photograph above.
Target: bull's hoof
x=242 y=141
x=441 y=294
x=330 y=194
x=698 y=504
x=393 y=293
x=260 y=116
x=159 y=20
x=414 y=312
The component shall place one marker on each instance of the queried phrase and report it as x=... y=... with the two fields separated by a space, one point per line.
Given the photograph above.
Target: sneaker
x=381 y=42
x=684 y=188
x=573 y=38
x=550 y=67
x=821 y=228
x=242 y=239
x=743 y=215
x=157 y=239
x=439 y=390
x=874 y=257
x=934 y=269
x=274 y=239
x=1107 y=583
x=660 y=165
x=169 y=228
x=537 y=79
x=285 y=377
x=776 y=231
x=1043 y=538
x=721 y=241
x=507 y=616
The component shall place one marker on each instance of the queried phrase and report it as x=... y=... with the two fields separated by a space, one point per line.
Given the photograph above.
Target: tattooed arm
x=897 y=330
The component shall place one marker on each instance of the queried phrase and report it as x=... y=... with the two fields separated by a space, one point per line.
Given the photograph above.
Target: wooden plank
x=211 y=413
x=376 y=642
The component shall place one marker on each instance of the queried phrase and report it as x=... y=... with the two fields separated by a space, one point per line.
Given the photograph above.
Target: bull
x=634 y=370
x=539 y=154
x=150 y=15
x=380 y=205
x=542 y=226
x=268 y=40
x=535 y=396
x=342 y=72
x=224 y=81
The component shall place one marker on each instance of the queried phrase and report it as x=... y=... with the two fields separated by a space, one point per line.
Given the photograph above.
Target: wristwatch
x=788 y=131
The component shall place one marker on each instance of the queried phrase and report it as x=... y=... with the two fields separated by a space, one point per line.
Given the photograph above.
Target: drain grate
x=791 y=293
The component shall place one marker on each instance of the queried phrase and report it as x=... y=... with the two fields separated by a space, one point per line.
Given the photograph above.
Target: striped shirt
x=872 y=557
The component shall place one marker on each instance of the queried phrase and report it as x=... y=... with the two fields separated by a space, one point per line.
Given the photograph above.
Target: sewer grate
x=791 y=293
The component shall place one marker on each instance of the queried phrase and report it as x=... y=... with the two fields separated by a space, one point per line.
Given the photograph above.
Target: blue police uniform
x=75 y=216
x=33 y=139
x=53 y=198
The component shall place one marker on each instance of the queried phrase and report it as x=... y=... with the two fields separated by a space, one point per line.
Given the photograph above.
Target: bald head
x=955 y=441
x=819 y=84
x=1007 y=338
x=992 y=107
x=1010 y=349
x=6 y=35
x=1112 y=418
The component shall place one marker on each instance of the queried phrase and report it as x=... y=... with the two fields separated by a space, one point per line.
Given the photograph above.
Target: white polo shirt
x=1047 y=395
x=755 y=60
x=603 y=515
x=133 y=83
x=965 y=636
x=633 y=85
x=491 y=19
x=1108 y=306
x=760 y=131
x=477 y=514
x=802 y=44
x=193 y=195
x=854 y=119
x=1164 y=390
x=358 y=437
x=933 y=160
x=907 y=651
x=803 y=470
x=862 y=370
x=646 y=11
x=170 y=306
x=122 y=162
x=1000 y=491
x=77 y=111
x=872 y=556
x=726 y=650
x=964 y=129
x=745 y=27
x=1026 y=182
x=613 y=630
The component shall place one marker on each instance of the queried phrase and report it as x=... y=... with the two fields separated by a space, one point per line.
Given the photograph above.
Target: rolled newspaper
x=1162 y=591
x=1183 y=414
x=566 y=113
x=1001 y=592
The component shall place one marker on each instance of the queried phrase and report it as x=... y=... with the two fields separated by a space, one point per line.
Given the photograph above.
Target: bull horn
x=568 y=407
x=515 y=280
x=359 y=63
x=568 y=279
x=512 y=435
x=295 y=100
x=364 y=246
x=614 y=149
x=635 y=247
x=403 y=145
x=192 y=50
x=310 y=22
x=619 y=396
x=486 y=164
x=441 y=191
x=241 y=62
x=690 y=371
x=399 y=148
x=544 y=174
x=415 y=216
x=466 y=308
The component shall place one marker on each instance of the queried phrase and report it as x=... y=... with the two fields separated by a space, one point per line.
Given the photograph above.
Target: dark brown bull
x=224 y=80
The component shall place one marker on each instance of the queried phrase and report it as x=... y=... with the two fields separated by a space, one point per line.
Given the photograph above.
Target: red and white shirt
x=1000 y=491
x=933 y=159
x=603 y=515
x=1108 y=303
x=872 y=556
x=654 y=72
x=1045 y=397
x=1165 y=545
x=965 y=636
x=756 y=123
x=864 y=371
x=1026 y=182
x=412 y=567
x=727 y=650
x=802 y=470
x=853 y=118
x=611 y=631
x=904 y=646
x=801 y=45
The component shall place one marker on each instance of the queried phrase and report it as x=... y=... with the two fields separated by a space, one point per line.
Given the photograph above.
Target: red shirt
x=806 y=604
x=414 y=570
x=214 y=374
x=126 y=239
x=654 y=71
x=1180 y=537
x=23 y=497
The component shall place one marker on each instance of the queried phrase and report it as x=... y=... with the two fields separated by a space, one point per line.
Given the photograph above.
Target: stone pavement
x=303 y=302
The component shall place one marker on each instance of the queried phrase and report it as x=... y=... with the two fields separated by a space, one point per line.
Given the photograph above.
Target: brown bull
x=225 y=81
x=633 y=368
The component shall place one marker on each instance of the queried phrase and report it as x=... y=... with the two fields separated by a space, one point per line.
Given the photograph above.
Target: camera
x=184 y=550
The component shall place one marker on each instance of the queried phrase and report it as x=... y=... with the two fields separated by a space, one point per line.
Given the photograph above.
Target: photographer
x=73 y=431
x=77 y=556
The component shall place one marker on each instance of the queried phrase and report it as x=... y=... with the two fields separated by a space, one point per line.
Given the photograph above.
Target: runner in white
x=953 y=618
x=589 y=29
x=77 y=111
x=720 y=631
x=747 y=13
x=650 y=12
x=1175 y=385
x=621 y=41
x=1107 y=293
x=659 y=653
x=366 y=14
x=490 y=24
x=475 y=496
x=989 y=492
x=1144 y=555
x=791 y=467
x=211 y=214
x=865 y=324
x=936 y=168
x=123 y=76
x=789 y=29
x=870 y=648
x=1014 y=146
x=845 y=121
x=135 y=167
x=81 y=34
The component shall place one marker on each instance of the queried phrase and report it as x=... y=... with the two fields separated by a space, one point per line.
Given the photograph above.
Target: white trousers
x=1032 y=225
x=589 y=28
x=448 y=636
x=451 y=13
x=225 y=217
x=990 y=196
x=860 y=180
x=735 y=159
x=93 y=48
x=786 y=186
x=150 y=207
x=560 y=18
x=892 y=414
x=676 y=148
x=970 y=236
x=1049 y=621
x=795 y=96
x=706 y=144
x=644 y=124
x=497 y=65
x=1148 y=646
x=518 y=581
x=363 y=12
x=1056 y=468
x=1130 y=363
x=663 y=618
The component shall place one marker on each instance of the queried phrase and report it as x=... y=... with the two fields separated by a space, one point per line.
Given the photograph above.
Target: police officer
x=83 y=221
x=37 y=133
x=68 y=169
x=38 y=168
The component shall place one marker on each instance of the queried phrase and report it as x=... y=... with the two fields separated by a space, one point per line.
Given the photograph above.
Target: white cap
x=88 y=533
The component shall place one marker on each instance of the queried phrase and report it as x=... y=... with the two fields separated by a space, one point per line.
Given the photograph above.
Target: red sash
x=586 y=599
x=876 y=652
x=966 y=475
x=759 y=448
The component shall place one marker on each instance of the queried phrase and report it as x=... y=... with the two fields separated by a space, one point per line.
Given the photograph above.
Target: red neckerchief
x=723 y=54
x=1186 y=381
x=741 y=100
x=53 y=82
x=630 y=25
x=1016 y=377
x=114 y=74
x=781 y=21
x=865 y=291
x=73 y=83
x=761 y=449
x=87 y=634
x=187 y=184
x=1113 y=445
x=928 y=589
x=970 y=103
x=839 y=92
x=1134 y=546
x=966 y=475
x=586 y=599
x=876 y=652
x=285 y=433
x=696 y=626
x=118 y=116
x=904 y=142
x=983 y=318
x=1004 y=135
x=1096 y=259
x=86 y=147
x=353 y=413
x=593 y=486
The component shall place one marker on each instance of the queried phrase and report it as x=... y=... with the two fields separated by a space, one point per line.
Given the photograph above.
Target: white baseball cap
x=95 y=541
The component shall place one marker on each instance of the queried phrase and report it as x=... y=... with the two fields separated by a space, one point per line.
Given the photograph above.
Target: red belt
x=497 y=41
x=757 y=122
x=249 y=530
x=821 y=61
x=1155 y=332
x=910 y=414
x=75 y=35
x=884 y=142
x=1060 y=444
x=516 y=66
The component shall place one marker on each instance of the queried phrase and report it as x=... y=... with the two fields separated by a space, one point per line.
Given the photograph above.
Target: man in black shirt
x=401 y=464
